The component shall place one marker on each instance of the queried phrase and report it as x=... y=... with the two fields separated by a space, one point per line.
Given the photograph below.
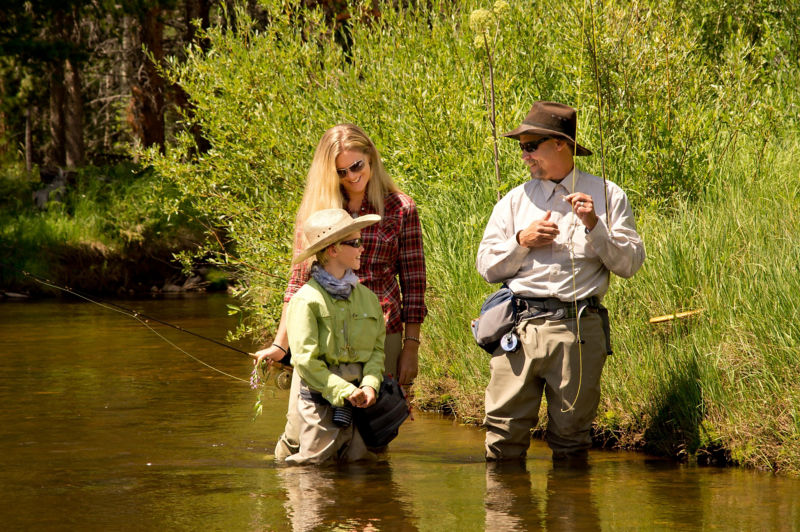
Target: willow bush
x=679 y=106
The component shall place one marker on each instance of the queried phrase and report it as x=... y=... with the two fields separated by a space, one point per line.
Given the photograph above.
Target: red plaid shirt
x=392 y=250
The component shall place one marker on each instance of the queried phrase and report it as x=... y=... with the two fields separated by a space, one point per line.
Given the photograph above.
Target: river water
x=105 y=426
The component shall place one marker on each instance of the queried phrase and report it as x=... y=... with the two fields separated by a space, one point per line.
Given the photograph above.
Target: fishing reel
x=283 y=380
x=281 y=374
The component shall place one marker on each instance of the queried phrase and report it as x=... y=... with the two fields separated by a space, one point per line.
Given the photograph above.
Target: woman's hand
x=408 y=363
x=408 y=360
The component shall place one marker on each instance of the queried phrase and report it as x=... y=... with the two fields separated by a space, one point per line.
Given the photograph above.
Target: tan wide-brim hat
x=551 y=119
x=329 y=226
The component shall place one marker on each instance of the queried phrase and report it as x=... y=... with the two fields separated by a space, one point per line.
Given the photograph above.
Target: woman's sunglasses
x=353 y=168
x=531 y=146
x=355 y=243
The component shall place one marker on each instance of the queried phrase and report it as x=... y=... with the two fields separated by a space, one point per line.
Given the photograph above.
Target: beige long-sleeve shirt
x=547 y=271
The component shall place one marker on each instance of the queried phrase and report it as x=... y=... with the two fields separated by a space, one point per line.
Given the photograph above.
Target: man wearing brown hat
x=553 y=242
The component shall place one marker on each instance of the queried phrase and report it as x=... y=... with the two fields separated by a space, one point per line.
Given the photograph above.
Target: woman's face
x=353 y=170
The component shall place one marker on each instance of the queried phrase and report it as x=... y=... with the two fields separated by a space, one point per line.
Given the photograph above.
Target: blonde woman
x=346 y=172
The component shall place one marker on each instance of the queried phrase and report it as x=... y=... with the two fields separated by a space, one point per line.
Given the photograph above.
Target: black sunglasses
x=533 y=145
x=355 y=243
x=354 y=168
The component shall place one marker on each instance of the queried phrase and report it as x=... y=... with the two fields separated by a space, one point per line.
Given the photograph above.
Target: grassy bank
x=697 y=106
x=727 y=378
x=98 y=232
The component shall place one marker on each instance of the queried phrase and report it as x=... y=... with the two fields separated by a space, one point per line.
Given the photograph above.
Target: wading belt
x=552 y=308
x=555 y=309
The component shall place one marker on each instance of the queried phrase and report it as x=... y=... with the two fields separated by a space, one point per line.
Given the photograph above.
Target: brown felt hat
x=550 y=119
x=329 y=226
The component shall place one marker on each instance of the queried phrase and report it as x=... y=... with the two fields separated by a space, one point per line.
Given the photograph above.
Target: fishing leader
x=553 y=241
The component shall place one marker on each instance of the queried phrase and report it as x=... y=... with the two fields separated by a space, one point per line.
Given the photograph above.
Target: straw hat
x=550 y=119
x=329 y=226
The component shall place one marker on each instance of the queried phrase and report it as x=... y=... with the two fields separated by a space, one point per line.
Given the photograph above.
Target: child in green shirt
x=336 y=335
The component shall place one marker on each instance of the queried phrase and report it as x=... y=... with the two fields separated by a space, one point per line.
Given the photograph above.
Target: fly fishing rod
x=138 y=316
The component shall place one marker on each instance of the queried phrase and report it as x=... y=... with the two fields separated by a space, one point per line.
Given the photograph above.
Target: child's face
x=349 y=251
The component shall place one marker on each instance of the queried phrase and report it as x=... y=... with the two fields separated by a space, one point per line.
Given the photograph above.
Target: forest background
x=193 y=139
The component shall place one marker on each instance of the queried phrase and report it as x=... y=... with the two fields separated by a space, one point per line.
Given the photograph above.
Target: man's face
x=544 y=160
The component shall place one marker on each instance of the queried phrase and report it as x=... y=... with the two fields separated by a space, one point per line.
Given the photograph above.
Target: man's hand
x=540 y=233
x=362 y=397
x=583 y=207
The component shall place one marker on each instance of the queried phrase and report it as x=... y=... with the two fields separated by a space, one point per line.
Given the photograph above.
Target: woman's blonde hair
x=323 y=190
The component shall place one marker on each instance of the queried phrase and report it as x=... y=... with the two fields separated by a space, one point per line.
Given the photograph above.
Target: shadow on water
x=106 y=427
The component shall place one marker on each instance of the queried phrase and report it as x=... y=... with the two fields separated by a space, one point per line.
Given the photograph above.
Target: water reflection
x=570 y=501
x=510 y=504
x=106 y=427
x=349 y=497
x=566 y=503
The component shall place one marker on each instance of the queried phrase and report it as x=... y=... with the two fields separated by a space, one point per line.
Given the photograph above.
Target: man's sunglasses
x=353 y=168
x=355 y=243
x=531 y=146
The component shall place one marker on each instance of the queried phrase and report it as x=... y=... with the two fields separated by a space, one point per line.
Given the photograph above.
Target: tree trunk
x=56 y=151
x=197 y=10
x=146 y=111
x=75 y=148
x=28 y=141
x=3 y=126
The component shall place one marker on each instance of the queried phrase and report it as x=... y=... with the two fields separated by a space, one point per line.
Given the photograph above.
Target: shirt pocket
x=389 y=230
x=364 y=331
x=580 y=246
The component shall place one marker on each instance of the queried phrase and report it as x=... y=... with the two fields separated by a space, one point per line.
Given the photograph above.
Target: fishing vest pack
x=502 y=310
x=497 y=319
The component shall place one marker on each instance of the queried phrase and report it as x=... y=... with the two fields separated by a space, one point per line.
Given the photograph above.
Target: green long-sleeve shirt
x=324 y=331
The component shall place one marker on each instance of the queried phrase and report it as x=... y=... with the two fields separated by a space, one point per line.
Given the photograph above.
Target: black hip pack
x=379 y=423
x=497 y=318
x=502 y=310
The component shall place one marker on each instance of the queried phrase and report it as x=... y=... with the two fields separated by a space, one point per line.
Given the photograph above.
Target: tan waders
x=288 y=444
x=550 y=360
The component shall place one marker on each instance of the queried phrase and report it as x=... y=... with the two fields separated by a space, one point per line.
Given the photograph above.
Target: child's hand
x=370 y=393
x=362 y=397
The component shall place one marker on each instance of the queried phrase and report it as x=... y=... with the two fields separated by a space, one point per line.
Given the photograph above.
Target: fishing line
x=600 y=119
x=574 y=225
x=574 y=173
x=141 y=318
